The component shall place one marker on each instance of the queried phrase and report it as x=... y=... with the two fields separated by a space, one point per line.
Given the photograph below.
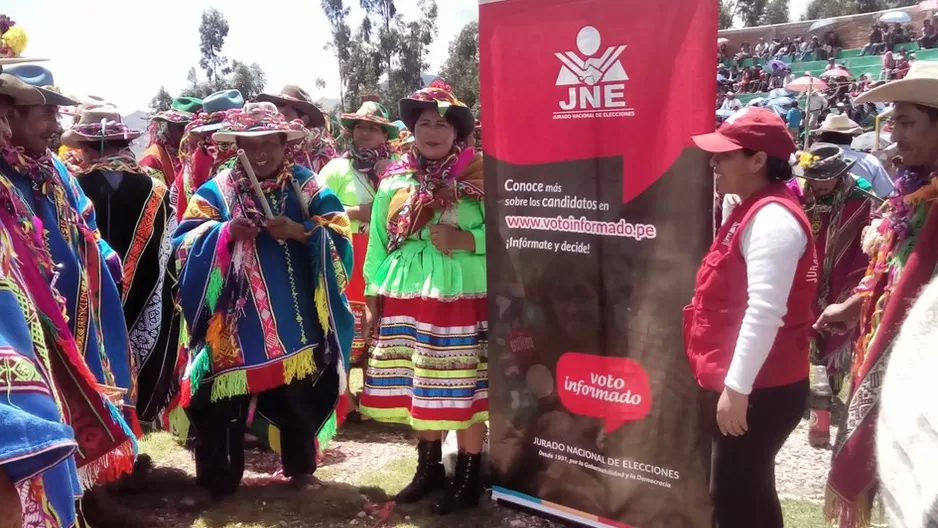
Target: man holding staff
x=265 y=257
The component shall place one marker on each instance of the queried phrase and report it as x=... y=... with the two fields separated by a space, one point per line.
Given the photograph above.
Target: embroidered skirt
x=356 y=297
x=429 y=366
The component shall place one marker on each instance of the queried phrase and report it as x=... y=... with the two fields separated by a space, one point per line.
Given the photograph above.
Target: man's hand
x=242 y=229
x=362 y=213
x=840 y=318
x=282 y=228
x=447 y=239
x=12 y=516
x=732 y=410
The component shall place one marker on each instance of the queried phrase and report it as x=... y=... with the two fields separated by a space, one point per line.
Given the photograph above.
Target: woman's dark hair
x=777 y=169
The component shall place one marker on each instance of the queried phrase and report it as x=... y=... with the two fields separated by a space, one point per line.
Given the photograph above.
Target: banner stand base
x=547 y=510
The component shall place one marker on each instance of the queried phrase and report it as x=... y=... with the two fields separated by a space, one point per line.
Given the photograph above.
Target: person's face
x=266 y=153
x=32 y=127
x=175 y=132
x=434 y=135
x=733 y=171
x=367 y=135
x=5 y=133
x=291 y=114
x=915 y=135
x=823 y=188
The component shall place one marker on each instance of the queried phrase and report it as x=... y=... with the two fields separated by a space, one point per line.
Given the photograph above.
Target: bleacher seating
x=871 y=64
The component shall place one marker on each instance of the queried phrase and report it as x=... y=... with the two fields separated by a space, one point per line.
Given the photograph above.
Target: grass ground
x=353 y=496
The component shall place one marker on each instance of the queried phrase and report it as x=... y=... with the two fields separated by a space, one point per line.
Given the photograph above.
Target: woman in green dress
x=426 y=297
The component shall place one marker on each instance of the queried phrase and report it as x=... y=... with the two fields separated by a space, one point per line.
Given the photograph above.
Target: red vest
x=715 y=315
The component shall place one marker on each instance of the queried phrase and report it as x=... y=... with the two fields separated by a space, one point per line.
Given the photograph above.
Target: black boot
x=430 y=473
x=466 y=489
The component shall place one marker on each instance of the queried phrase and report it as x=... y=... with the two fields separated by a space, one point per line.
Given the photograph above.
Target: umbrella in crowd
x=757 y=101
x=837 y=72
x=776 y=65
x=867 y=141
x=896 y=17
x=722 y=40
x=781 y=101
x=720 y=78
x=821 y=24
x=806 y=83
x=780 y=92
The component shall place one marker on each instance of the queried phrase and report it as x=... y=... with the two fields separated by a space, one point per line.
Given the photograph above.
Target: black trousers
x=299 y=410
x=742 y=478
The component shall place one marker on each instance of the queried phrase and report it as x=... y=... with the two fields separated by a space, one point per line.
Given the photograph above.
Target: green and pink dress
x=429 y=367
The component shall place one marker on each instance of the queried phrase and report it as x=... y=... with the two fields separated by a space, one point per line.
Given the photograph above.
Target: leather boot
x=430 y=475
x=465 y=490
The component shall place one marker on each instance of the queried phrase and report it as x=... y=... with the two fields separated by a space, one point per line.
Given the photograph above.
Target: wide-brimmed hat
x=97 y=124
x=371 y=112
x=22 y=93
x=181 y=111
x=41 y=79
x=293 y=95
x=438 y=96
x=218 y=103
x=822 y=162
x=920 y=86
x=258 y=119
x=840 y=124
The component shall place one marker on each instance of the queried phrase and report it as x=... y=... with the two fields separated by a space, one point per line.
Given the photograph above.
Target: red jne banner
x=598 y=213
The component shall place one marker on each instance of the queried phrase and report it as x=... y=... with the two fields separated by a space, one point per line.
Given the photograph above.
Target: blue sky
x=123 y=50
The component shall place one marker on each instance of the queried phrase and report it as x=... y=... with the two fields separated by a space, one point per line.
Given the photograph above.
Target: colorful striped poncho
x=292 y=318
x=88 y=269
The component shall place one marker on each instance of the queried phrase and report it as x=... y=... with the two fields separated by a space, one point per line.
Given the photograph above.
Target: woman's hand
x=9 y=504
x=448 y=239
x=362 y=212
x=840 y=318
x=242 y=229
x=282 y=228
x=731 y=413
x=370 y=320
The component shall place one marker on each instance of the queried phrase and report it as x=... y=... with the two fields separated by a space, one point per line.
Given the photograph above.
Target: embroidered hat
x=41 y=79
x=293 y=95
x=753 y=128
x=97 y=124
x=822 y=162
x=438 y=96
x=182 y=110
x=215 y=108
x=371 y=112
x=258 y=119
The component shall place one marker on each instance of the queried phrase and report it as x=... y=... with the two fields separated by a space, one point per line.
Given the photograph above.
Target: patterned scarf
x=159 y=131
x=904 y=258
x=124 y=161
x=314 y=152
x=364 y=160
x=440 y=183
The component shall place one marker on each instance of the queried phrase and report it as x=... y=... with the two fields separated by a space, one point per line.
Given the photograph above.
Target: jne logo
x=596 y=82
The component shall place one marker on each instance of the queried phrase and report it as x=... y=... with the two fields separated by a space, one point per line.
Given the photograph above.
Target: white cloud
x=124 y=50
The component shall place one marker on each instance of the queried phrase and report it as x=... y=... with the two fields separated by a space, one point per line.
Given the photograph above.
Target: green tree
x=341 y=44
x=162 y=101
x=833 y=8
x=212 y=34
x=410 y=56
x=750 y=11
x=776 y=12
x=249 y=79
x=727 y=7
x=461 y=69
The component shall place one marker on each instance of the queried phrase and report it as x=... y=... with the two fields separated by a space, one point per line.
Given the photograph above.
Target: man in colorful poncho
x=161 y=158
x=59 y=435
x=903 y=248
x=264 y=268
x=838 y=205
x=135 y=218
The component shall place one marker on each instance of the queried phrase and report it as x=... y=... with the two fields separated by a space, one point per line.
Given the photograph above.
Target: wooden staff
x=254 y=183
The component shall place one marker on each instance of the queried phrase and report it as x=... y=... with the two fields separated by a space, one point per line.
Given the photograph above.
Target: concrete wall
x=853 y=30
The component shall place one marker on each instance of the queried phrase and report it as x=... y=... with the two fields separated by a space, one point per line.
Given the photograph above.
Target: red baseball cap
x=753 y=128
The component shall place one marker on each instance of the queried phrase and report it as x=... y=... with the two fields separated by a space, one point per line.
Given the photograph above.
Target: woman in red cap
x=747 y=328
